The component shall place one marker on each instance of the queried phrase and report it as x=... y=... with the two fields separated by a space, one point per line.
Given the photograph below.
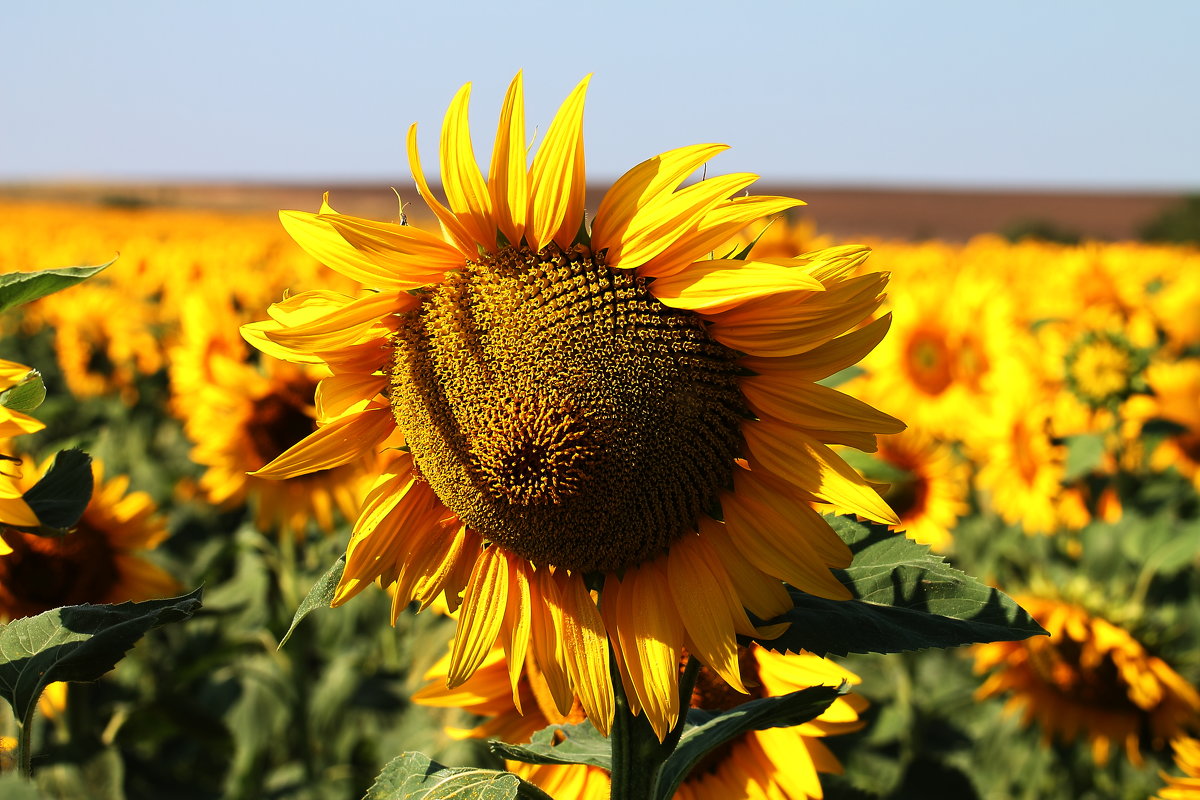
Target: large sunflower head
x=585 y=409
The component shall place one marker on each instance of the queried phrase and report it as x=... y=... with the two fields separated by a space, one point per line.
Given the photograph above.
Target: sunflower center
x=928 y=361
x=1100 y=370
x=560 y=410
x=43 y=572
x=279 y=420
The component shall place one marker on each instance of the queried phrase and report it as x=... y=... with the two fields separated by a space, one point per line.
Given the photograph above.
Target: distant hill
x=842 y=212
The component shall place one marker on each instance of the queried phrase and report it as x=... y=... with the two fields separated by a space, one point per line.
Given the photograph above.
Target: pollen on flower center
x=560 y=410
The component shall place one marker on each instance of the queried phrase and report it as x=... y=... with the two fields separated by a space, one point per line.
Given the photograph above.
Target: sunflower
x=98 y=562
x=932 y=495
x=1089 y=678
x=240 y=417
x=778 y=762
x=1187 y=758
x=1176 y=398
x=578 y=411
x=13 y=508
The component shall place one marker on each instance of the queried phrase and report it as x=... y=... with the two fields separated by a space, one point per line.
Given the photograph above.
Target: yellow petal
x=821 y=362
x=801 y=520
x=16 y=423
x=586 y=644
x=451 y=227
x=437 y=578
x=720 y=284
x=517 y=622
x=322 y=241
x=714 y=230
x=643 y=185
x=651 y=635
x=462 y=181
x=346 y=325
x=558 y=179
x=706 y=602
x=347 y=393
x=332 y=445
x=774 y=546
x=15 y=511
x=661 y=223
x=811 y=405
x=547 y=640
x=508 y=176
x=804 y=462
x=482 y=615
x=420 y=256
x=763 y=594
x=777 y=326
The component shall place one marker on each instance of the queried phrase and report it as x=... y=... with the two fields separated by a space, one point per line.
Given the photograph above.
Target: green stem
x=25 y=745
x=637 y=754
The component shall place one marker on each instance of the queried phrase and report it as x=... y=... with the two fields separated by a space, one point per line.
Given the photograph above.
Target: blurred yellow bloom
x=99 y=561
x=1090 y=679
x=1187 y=758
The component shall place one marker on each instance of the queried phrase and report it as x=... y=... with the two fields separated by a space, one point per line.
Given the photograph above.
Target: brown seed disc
x=560 y=410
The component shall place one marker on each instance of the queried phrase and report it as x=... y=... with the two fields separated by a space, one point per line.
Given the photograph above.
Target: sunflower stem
x=636 y=751
x=637 y=754
x=25 y=745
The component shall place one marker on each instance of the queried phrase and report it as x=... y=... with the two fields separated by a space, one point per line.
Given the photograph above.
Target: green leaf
x=713 y=731
x=844 y=376
x=414 y=776
x=580 y=744
x=63 y=493
x=906 y=598
x=76 y=643
x=874 y=469
x=17 y=288
x=26 y=395
x=1084 y=454
x=319 y=596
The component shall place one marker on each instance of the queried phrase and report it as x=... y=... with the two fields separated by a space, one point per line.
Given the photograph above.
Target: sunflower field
x=223 y=427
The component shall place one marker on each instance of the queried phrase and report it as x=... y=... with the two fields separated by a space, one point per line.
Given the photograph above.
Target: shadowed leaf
x=61 y=495
x=906 y=598
x=76 y=643
x=711 y=731
x=580 y=744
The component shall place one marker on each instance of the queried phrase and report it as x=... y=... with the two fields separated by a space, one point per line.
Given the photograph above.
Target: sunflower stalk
x=637 y=754
x=25 y=745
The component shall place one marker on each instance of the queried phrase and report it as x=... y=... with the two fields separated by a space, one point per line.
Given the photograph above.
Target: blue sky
x=1015 y=94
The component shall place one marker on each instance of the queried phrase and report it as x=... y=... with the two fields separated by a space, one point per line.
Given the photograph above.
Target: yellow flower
x=1187 y=757
x=1089 y=678
x=778 y=762
x=1176 y=398
x=240 y=417
x=98 y=562
x=568 y=408
x=933 y=495
x=13 y=508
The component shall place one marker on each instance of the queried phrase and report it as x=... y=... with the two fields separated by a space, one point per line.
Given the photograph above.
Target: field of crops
x=1052 y=399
